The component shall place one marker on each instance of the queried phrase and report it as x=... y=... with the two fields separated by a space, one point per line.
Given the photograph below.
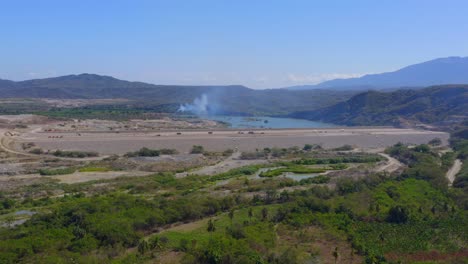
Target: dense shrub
x=144 y=152
x=74 y=154
x=196 y=149
x=60 y=171
x=398 y=215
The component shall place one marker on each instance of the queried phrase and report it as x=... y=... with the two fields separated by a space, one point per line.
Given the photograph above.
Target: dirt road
x=6 y=140
x=391 y=165
x=453 y=171
x=78 y=177
x=119 y=143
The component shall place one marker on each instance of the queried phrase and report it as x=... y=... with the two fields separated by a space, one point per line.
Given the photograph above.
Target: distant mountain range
x=234 y=99
x=451 y=70
x=325 y=101
x=438 y=104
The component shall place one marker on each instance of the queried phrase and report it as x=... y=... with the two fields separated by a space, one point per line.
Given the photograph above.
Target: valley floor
x=219 y=140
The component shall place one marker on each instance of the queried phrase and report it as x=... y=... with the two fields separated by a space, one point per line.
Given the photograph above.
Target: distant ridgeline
x=352 y=104
x=433 y=105
x=231 y=100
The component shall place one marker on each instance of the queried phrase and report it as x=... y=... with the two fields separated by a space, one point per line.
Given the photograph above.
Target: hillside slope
x=429 y=105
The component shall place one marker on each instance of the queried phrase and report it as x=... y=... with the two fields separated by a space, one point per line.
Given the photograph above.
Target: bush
x=252 y=155
x=423 y=148
x=344 y=148
x=168 y=151
x=94 y=169
x=144 y=152
x=435 y=142
x=62 y=171
x=75 y=154
x=196 y=149
x=321 y=179
x=36 y=151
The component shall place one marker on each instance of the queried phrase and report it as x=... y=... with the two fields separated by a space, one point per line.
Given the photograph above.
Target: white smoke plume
x=199 y=106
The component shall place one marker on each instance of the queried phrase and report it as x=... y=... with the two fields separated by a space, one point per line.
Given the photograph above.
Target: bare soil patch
x=119 y=143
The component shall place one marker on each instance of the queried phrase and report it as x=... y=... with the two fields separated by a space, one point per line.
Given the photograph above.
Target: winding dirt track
x=453 y=171
x=391 y=165
x=4 y=146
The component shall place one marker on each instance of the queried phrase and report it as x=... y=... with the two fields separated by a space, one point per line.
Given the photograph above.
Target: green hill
x=431 y=105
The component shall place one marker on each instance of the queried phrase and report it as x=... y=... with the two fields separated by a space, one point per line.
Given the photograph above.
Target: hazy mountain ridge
x=429 y=105
x=232 y=99
x=324 y=102
x=450 y=70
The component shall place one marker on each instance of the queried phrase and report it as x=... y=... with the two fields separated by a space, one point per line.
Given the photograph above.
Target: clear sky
x=252 y=42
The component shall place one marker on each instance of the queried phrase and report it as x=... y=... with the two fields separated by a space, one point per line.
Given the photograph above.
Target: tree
x=423 y=148
x=270 y=196
x=196 y=149
x=250 y=213
x=9 y=220
x=381 y=237
x=307 y=147
x=231 y=215
x=211 y=226
x=398 y=215
x=435 y=142
x=264 y=213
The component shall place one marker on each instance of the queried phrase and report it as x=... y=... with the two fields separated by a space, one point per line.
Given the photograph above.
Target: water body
x=268 y=122
x=298 y=177
x=290 y=175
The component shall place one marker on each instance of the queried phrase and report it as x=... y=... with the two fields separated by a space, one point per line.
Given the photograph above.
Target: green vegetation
x=144 y=152
x=94 y=169
x=113 y=112
x=61 y=171
x=344 y=148
x=366 y=158
x=197 y=149
x=423 y=164
x=165 y=151
x=459 y=143
x=429 y=105
x=234 y=218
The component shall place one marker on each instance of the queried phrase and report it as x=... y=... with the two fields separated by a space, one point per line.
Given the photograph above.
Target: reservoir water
x=268 y=122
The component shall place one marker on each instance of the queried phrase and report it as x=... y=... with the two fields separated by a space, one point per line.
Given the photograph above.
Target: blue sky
x=261 y=44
